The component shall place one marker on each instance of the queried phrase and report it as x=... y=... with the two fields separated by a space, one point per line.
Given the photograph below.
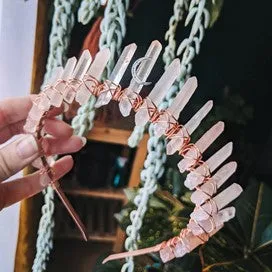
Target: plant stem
x=208 y=268
x=256 y=215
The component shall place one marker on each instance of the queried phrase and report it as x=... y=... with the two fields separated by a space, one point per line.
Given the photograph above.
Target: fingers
x=21 y=152
x=14 y=191
x=16 y=155
x=13 y=110
x=10 y=130
x=53 y=127
x=58 y=128
x=52 y=146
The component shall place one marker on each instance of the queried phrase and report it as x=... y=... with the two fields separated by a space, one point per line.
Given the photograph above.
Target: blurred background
x=232 y=68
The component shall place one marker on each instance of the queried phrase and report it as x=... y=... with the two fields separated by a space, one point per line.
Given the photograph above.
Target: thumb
x=17 y=154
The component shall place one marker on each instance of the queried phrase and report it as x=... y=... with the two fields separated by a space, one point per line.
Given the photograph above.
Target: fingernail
x=27 y=147
x=84 y=141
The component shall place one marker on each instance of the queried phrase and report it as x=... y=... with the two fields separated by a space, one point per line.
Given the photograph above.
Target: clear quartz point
x=166 y=254
x=78 y=74
x=218 y=202
x=202 y=144
x=158 y=92
x=210 y=136
x=200 y=196
x=159 y=129
x=209 y=225
x=195 y=121
x=145 y=66
x=31 y=126
x=36 y=113
x=122 y=63
x=182 y=248
x=70 y=91
x=51 y=92
x=83 y=94
x=57 y=97
x=162 y=125
x=212 y=163
x=43 y=102
x=125 y=107
x=104 y=98
x=203 y=213
x=82 y=65
x=97 y=67
x=189 y=160
x=194 y=178
x=226 y=196
x=165 y=82
x=141 y=116
x=195 y=227
x=117 y=73
x=175 y=143
x=183 y=97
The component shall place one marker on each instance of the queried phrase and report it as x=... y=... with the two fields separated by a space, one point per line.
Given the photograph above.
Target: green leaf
x=130 y=194
x=214 y=7
x=254 y=213
x=267 y=236
x=153 y=201
x=166 y=196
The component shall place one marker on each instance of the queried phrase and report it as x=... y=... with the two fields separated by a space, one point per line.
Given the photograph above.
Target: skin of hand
x=19 y=153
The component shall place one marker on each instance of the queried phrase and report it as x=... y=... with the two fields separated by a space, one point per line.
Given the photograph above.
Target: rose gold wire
x=172 y=124
x=135 y=100
x=108 y=86
x=93 y=89
x=214 y=187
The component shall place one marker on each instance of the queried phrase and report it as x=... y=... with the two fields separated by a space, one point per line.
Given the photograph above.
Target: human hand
x=15 y=155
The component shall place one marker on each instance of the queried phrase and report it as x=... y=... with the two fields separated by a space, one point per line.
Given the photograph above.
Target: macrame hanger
x=62 y=25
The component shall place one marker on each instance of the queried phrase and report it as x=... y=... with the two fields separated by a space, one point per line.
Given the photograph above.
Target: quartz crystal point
x=42 y=103
x=184 y=245
x=215 y=182
x=215 y=221
x=218 y=202
x=202 y=144
x=158 y=92
x=78 y=73
x=117 y=74
x=136 y=84
x=170 y=116
x=195 y=234
x=31 y=126
x=197 y=176
x=95 y=71
x=177 y=141
x=56 y=98
x=183 y=97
